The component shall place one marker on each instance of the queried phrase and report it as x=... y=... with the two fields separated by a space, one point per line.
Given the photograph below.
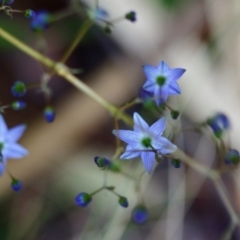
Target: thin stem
x=81 y=33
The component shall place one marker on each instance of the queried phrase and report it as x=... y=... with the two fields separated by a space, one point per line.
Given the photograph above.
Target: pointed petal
x=14 y=150
x=139 y=124
x=2 y=168
x=3 y=127
x=150 y=72
x=148 y=159
x=130 y=152
x=158 y=127
x=174 y=89
x=162 y=68
x=175 y=73
x=14 y=134
x=127 y=136
x=161 y=94
x=163 y=145
x=149 y=86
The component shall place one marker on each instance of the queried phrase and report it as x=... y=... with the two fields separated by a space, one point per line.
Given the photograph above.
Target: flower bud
x=108 y=29
x=18 y=105
x=41 y=21
x=176 y=162
x=101 y=162
x=83 y=199
x=232 y=157
x=139 y=214
x=218 y=124
x=114 y=167
x=123 y=202
x=174 y=114
x=16 y=185
x=29 y=13
x=18 y=89
x=131 y=16
x=49 y=114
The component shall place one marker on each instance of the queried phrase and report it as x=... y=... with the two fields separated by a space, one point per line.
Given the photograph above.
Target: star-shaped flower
x=9 y=148
x=161 y=81
x=145 y=141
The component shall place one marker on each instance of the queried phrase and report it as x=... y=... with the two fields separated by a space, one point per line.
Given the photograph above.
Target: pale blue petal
x=174 y=89
x=130 y=152
x=163 y=145
x=162 y=68
x=148 y=159
x=139 y=124
x=14 y=150
x=2 y=168
x=150 y=72
x=158 y=127
x=175 y=73
x=127 y=136
x=149 y=86
x=3 y=127
x=14 y=134
x=161 y=94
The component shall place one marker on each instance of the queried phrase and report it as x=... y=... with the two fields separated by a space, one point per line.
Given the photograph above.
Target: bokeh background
x=201 y=36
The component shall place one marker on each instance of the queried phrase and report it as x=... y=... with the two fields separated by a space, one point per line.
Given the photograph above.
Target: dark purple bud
x=18 y=105
x=232 y=157
x=131 y=16
x=176 y=162
x=49 y=114
x=139 y=214
x=18 y=89
x=16 y=185
x=123 y=202
x=101 y=162
x=29 y=13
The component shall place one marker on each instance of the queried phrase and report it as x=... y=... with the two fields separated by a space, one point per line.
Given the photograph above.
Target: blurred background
x=201 y=36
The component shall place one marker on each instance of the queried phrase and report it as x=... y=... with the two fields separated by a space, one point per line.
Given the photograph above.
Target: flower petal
x=174 y=89
x=150 y=72
x=139 y=124
x=158 y=127
x=161 y=94
x=14 y=150
x=3 y=127
x=162 y=68
x=130 y=152
x=148 y=159
x=175 y=73
x=163 y=145
x=127 y=136
x=14 y=134
x=149 y=86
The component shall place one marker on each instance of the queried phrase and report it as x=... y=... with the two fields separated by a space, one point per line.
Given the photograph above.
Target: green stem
x=81 y=33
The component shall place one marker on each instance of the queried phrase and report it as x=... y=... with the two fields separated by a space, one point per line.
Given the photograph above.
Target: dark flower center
x=160 y=80
x=146 y=142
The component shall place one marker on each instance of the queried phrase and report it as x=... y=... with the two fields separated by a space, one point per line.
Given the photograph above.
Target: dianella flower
x=162 y=81
x=145 y=142
x=9 y=148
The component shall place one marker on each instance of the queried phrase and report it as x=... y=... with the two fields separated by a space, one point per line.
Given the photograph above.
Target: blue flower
x=9 y=148
x=139 y=214
x=161 y=81
x=83 y=199
x=145 y=141
x=40 y=21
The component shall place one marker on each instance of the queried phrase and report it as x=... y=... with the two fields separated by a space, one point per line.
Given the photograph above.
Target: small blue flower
x=9 y=148
x=232 y=157
x=40 y=21
x=8 y=2
x=16 y=185
x=123 y=202
x=218 y=124
x=161 y=81
x=49 y=114
x=83 y=199
x=101 y=162
x=145 y=141
x=18 y=89
x=139 y=214
x=18 y=105
x=29 y=13
x=131 y=16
